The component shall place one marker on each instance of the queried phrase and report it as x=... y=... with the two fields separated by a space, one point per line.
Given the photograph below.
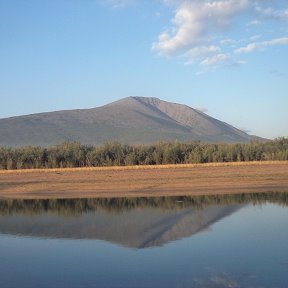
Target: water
x=229 y=241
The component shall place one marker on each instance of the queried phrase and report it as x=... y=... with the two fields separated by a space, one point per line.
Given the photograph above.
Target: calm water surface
x=229 y=241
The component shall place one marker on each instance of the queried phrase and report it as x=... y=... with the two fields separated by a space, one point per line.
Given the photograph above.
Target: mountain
x=132 y=120
x=136 y=228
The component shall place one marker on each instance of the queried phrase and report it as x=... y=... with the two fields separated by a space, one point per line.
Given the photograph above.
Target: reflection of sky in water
x=245 y=249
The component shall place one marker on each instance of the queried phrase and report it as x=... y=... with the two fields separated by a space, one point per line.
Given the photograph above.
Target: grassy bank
x=146 y=167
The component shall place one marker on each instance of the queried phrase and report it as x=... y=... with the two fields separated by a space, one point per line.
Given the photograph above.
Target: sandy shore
x=168 y=180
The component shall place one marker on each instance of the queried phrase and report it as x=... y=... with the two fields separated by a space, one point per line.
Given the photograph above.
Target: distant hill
x=132 y=120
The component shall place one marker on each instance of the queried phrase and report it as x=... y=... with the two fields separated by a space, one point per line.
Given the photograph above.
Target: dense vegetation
x=111 y=154
x=72 y=207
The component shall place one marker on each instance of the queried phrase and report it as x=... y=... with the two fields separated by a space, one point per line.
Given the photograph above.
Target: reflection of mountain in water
x=135 y=222
x=137 y=228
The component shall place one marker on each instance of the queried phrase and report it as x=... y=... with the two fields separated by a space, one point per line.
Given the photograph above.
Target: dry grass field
x=136 y=181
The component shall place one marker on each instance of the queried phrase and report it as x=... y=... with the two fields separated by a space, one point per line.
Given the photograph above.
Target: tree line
x=74 y=207
x=74 y=154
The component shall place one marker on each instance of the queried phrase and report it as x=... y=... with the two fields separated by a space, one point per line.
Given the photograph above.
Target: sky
x=228 y=58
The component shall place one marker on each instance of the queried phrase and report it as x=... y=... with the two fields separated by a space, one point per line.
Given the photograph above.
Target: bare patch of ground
x=201 y=179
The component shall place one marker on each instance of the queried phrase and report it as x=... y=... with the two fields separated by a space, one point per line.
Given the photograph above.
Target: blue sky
x=226 y=57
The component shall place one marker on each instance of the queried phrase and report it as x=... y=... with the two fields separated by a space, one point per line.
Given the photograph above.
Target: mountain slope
x=131 y=120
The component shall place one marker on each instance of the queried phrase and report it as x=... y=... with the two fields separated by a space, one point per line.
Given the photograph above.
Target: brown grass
x=144 y=167
x=164 y=180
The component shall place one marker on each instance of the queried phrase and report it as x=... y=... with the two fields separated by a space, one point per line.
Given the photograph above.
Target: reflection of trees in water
x=118 y=205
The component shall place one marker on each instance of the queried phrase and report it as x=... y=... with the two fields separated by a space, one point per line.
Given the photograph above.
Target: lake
x=205 y=241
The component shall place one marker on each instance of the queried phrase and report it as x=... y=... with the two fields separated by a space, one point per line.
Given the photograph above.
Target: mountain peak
x=130 y=120
x=150 y=100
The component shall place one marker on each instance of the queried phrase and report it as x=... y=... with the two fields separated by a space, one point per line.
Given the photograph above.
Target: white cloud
x=202 y=31
x=253 y=23
x=229 y=42
x=193 y=23
x=198 y=27
x=261 y=45
x=215 y=60
x=272 y=13
x=255 y=37
x=202 y=51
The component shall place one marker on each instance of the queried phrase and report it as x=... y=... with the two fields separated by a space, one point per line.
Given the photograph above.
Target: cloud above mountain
x=262 y=45
x=211 y=32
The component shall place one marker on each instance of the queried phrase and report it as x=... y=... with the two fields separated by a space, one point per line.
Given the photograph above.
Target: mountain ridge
x=131 y=120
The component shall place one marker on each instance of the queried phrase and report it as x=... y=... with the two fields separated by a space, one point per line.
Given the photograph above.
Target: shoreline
x=145 y=181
